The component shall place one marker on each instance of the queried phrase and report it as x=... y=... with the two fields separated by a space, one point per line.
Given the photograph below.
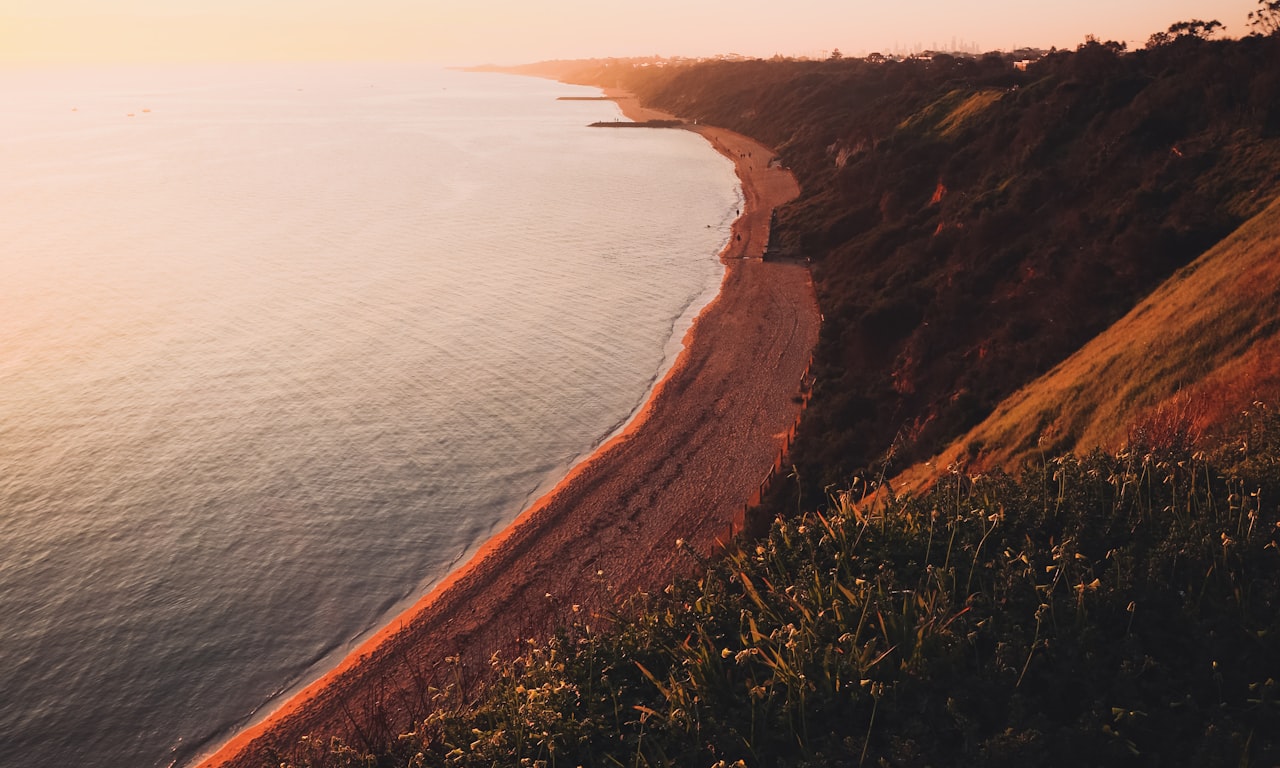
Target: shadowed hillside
x=972 y=225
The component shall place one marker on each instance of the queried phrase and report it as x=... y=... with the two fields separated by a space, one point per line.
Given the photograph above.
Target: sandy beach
x=683 y=469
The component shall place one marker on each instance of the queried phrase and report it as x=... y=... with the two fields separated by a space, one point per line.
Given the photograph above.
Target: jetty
x=640 y=124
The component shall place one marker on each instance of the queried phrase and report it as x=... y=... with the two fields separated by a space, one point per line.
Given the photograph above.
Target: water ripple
x=278 y=352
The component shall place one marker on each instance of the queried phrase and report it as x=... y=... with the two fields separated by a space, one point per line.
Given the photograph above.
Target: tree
x=1266 y=20
x=1187 y=30
x=1196 y=28
x=836 y=55
x=1092 y=41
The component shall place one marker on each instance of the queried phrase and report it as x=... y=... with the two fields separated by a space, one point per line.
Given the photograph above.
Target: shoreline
x=708 y=431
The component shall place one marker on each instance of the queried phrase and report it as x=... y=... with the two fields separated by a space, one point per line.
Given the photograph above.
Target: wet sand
x=683 y=469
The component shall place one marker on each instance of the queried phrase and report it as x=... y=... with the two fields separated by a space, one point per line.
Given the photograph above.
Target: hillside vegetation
x=971 y=225
x=1072 y=234
x=1107 y=610
x=1195 y=352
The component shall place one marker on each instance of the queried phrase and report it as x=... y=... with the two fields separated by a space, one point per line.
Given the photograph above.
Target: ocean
x=281 y=346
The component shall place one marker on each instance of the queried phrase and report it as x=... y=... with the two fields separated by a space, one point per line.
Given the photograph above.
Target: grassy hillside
x=972 y=225
x=1194 y=353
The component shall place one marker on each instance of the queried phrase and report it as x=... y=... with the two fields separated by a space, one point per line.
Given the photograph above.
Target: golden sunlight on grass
x=949 y=114
x=1198 y=350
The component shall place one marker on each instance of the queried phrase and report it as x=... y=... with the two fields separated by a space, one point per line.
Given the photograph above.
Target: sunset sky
x=516 y=31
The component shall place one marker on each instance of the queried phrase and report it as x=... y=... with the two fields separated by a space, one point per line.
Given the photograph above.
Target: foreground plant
x=1106 y=610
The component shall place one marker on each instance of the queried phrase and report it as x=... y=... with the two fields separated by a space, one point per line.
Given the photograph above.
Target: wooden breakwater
x=744 y=522
x=644 y=124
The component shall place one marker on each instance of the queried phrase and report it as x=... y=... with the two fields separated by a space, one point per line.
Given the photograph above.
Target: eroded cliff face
x=970 y=225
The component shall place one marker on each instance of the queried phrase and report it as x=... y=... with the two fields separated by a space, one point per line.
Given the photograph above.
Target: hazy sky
x=515 y=31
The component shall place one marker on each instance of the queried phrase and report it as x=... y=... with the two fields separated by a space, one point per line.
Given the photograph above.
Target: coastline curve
x=683 y=467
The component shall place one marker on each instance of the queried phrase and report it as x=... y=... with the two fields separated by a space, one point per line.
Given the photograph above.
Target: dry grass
x=1205 y=345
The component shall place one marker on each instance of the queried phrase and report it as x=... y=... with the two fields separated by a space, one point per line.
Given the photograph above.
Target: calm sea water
x=279 y=347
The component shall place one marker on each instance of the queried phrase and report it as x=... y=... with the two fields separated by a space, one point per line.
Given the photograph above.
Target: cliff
x=971 y=225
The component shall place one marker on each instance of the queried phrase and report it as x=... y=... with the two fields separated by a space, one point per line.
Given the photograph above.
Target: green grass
x=969 y=109
x=950 y=113
x=1107 y=610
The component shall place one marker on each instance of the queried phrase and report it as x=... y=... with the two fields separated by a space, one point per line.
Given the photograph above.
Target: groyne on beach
x=683 y=469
